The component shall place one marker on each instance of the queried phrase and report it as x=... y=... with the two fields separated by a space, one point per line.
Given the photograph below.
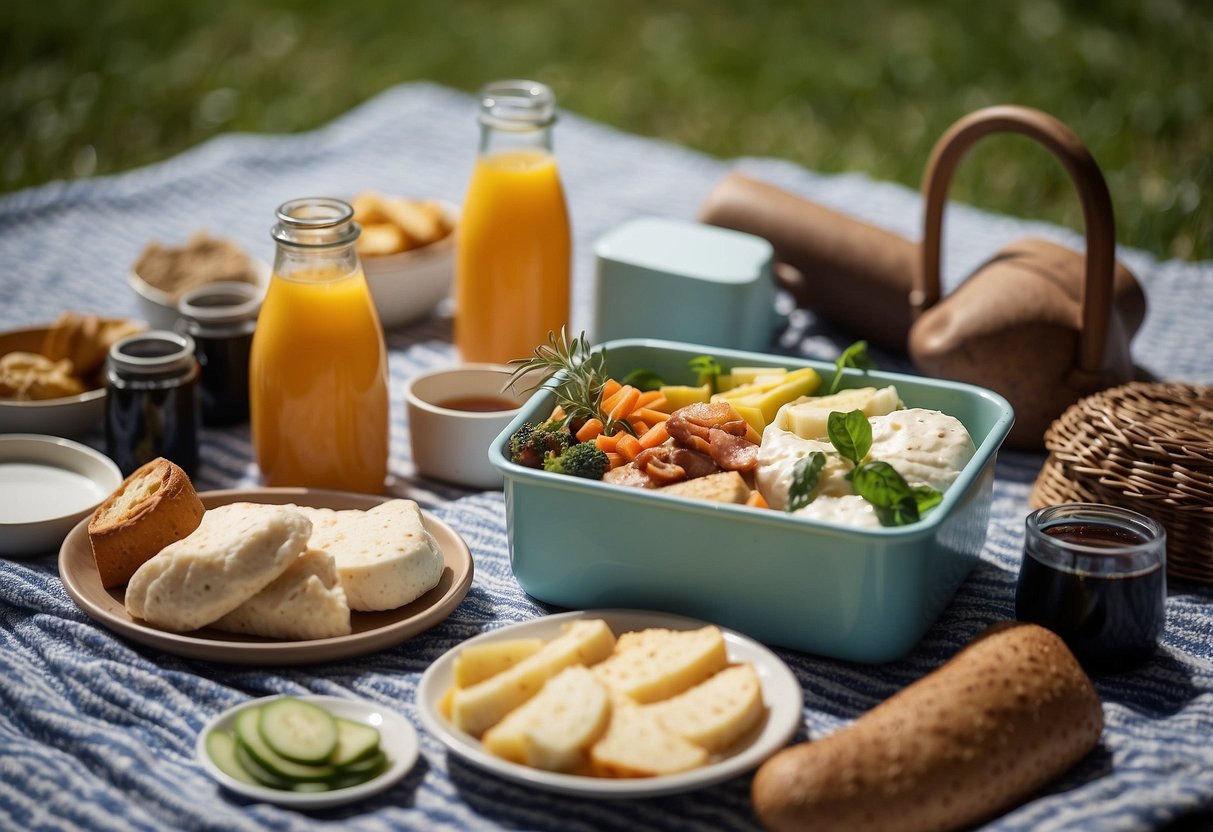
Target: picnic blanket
x=98 y=733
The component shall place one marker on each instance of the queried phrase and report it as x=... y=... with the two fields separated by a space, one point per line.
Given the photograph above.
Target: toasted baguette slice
x=236 y=551
x=153 y=507
x=635 y=745
x=716 y=713
x=655 y=664
x=304 y=602
x=477 y=708
x=555 y=728
x=385 y=556
x=723 y=487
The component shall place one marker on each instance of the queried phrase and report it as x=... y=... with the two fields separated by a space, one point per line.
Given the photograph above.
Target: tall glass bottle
x=514 y=244
x=318 y=390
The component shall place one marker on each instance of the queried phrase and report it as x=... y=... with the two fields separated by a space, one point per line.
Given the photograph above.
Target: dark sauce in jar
x=151 y=403
x=221 y=318
x=1111 y=621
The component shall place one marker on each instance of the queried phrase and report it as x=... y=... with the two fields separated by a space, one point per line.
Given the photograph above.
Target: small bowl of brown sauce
x=454 y=414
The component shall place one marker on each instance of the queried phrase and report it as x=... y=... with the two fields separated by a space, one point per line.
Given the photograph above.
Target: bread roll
x=153 y=507
x=304 y=602
x=236 y=551
x=1009 y=713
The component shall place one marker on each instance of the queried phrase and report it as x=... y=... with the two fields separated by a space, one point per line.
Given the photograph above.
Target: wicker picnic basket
x=1145 y=446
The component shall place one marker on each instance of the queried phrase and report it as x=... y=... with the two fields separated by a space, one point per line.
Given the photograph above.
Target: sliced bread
x=153 y=507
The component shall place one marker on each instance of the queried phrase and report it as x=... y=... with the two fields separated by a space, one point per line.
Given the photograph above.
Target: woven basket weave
x=1146 y=447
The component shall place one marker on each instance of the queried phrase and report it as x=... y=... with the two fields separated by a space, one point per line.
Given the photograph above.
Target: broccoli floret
x=531 y=443
x=584 y=459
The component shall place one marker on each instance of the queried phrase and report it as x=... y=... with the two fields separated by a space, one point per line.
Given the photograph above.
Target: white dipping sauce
x=926 y=447
x=30 y=493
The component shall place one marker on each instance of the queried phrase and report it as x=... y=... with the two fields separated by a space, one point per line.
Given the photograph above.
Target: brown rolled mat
x=854 y=274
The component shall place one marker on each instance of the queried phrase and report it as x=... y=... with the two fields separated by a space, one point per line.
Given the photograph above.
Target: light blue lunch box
x=865 y=595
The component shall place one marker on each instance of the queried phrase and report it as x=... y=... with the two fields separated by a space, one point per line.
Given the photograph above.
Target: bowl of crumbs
x=52 y=376
x=407 y=249
x=164 y=273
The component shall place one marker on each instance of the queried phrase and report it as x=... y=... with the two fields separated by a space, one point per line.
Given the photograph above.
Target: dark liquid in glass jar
x=1111 y=622
x=479 y=404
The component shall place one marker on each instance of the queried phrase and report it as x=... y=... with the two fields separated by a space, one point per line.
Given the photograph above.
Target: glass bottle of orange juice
x=318 y=390
x=514 y=247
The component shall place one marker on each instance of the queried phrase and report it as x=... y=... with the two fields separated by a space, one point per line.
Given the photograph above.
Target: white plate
x=48 y=484
x=397 y=738
x=780 y=690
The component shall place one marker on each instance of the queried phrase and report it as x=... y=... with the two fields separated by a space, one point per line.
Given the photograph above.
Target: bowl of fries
x=407 y=249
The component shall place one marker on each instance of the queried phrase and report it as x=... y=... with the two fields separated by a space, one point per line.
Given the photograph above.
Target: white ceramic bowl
x=450 y=439
x=159 y=308
x=71 y=416
x=408 y=286
x=48 y=484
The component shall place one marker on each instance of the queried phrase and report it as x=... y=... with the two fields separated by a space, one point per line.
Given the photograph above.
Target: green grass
x=863 y=85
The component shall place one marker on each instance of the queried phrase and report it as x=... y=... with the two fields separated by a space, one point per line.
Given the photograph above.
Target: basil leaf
x=880 y=484
x=805 y=476
x=643 y=380
x=855 y=356
x=850 y=434
x=926 y=497
x=706 y=369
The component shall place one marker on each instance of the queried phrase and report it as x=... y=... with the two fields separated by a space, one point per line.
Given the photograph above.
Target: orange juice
x=318 y=383
x=512 y=269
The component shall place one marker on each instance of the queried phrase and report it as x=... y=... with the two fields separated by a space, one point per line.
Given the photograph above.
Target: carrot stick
x=614 y=460
x=610 y=387
x=651 y=398
x=650 y=415
x=622 y=403
x=592 y=428
x=654 y=436
x=628 y=447
x=607 y=444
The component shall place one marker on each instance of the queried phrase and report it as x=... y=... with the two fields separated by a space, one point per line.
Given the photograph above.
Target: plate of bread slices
x=612 y=703
x=267 y=576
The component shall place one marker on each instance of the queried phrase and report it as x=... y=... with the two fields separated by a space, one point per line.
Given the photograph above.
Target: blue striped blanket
x=98 y=733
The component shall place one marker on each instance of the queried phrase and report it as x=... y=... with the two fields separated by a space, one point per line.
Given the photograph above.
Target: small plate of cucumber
x=308 y=752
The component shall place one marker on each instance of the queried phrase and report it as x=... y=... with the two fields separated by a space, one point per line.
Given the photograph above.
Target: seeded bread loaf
x=153 y=507
x=1008 y=714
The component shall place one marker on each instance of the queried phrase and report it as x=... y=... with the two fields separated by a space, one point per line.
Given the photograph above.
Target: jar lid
x=222 y=302
x=155 y=352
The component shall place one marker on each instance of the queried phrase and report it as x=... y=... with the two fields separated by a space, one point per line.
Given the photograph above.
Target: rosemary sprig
x=579 y=390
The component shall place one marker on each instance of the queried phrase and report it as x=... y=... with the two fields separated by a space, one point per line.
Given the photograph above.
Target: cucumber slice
x=221 y=746
x=299 y=731
x=250 y=736
x=360 y=772
x=355 y=740
x=257 y=771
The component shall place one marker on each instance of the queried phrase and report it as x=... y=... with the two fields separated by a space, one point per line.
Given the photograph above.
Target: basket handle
x=1064 y=144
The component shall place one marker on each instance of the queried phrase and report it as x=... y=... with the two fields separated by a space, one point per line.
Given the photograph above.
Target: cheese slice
x=654 y=664
x=385 y=556
x=477 y=662
x=554 y=729
x=716 y=713
x=304 y=602
x=475 y=709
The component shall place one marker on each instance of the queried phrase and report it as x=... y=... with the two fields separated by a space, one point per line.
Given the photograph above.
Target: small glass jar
x=151 y=403
x=1095 y=575
x=221 y=317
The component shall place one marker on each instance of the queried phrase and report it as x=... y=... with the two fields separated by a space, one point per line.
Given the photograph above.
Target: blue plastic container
x=864 y=595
